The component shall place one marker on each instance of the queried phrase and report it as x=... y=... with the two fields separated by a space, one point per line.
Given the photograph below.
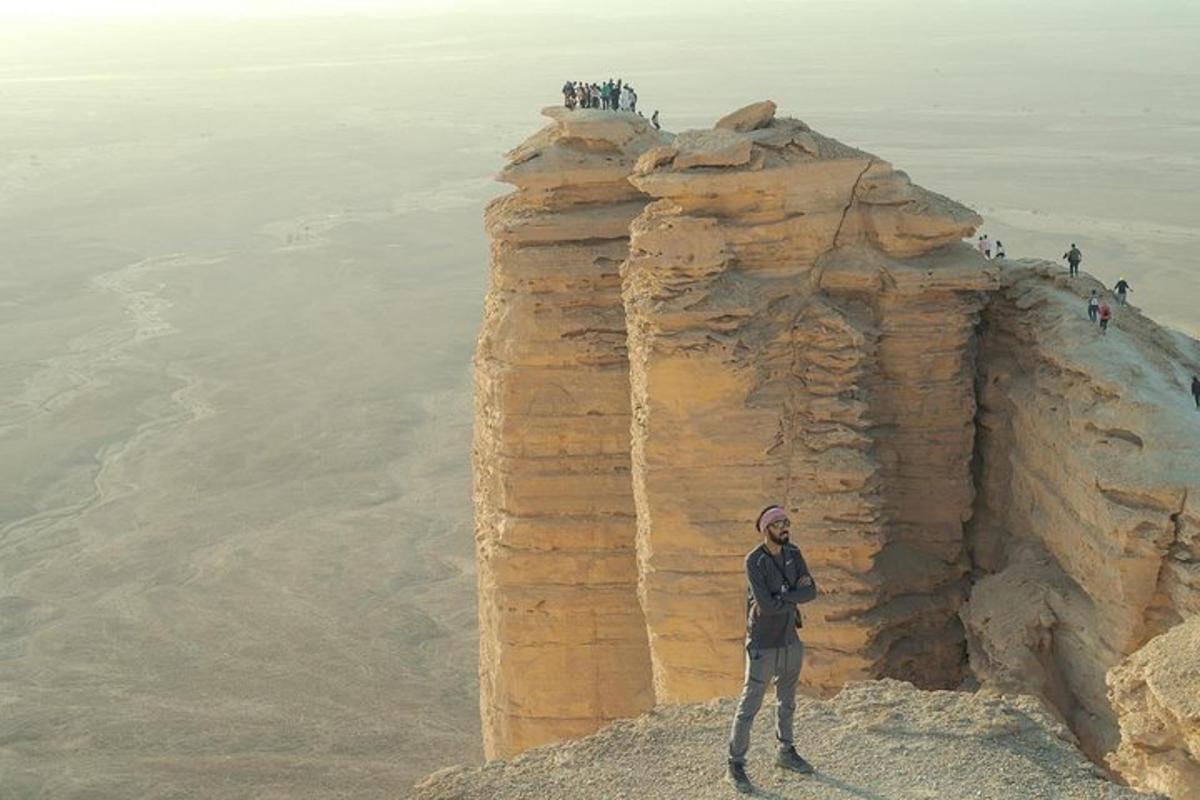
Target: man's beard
x=781 y=539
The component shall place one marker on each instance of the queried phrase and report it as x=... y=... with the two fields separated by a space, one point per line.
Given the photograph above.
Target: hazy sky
x=220 y=8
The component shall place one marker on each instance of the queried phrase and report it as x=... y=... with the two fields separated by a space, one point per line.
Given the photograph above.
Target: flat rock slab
x=748 y=118
x=715 y=148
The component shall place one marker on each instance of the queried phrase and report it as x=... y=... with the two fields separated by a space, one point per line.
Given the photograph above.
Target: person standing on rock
x=984 y=246
x=1196 y=390
x=1073 y=257
x=777 y=579
x=1122 y=286
x=624 y=99
x=1105 y=316
x=999 y=249
x=654 y=120
x=1093 y=307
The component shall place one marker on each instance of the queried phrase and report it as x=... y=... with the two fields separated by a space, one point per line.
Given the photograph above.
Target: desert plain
x=241 y=271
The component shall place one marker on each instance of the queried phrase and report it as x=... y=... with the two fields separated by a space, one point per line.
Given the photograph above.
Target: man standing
x=1073 y=257
x=1093 y=307
x=1122 y=286
x=777 y=580
x=1105 y=316
x=1196 y=390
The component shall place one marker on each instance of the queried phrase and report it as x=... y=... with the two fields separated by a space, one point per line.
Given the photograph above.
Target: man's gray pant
x=782 y=664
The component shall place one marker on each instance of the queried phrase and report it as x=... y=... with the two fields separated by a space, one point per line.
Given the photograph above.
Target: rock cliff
x=1088 y=466
x=682 y=329
x=801 y=321
x=554 y=505
x=1156 y=694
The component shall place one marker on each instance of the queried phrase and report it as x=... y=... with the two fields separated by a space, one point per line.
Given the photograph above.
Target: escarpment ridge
x=880 y=739
x=682 y=328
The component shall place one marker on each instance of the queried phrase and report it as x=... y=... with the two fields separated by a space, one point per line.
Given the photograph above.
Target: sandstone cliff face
x=1087 y=525
x=562 y=637
x=801 y=322
x=682 y=329
x=1156 y=693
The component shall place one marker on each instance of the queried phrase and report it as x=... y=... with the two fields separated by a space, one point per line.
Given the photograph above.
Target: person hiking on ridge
x=1122 y=286
x=654 y=120
x=1196 y=390
x=777 y=580
x=984 y=246
x=1093 y=307
x=999 y=249
x=1073 y=257
x=1105 y=316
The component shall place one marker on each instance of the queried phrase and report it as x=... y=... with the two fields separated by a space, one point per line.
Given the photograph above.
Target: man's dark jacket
x=772 y=593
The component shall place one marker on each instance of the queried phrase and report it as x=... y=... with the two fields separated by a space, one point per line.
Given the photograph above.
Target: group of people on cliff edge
x=989 y=249
x=612 y=95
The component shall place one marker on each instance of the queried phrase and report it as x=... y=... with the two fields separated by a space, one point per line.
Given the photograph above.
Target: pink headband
x=773 y=514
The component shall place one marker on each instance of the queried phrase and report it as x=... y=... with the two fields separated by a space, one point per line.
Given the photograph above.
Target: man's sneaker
x=735 y=774
x=790 y=759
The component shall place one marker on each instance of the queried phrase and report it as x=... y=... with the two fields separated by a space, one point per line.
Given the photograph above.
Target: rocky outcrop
x=554 y=505
x=801 y=321
x=1156 y=695
x=1086 y=531
x=874 y=740
x=682 y=329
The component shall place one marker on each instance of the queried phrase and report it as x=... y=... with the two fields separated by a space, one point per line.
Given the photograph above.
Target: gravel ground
x=881 y=740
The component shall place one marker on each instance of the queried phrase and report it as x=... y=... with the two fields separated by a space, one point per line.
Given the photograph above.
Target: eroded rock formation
x=801 y=321
x=1156 y=694
x=562 y=637
x=1088 y=469
x=681 y=329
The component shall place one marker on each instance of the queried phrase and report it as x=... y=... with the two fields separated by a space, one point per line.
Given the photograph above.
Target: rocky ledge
x=682 y=328
x=882 y=739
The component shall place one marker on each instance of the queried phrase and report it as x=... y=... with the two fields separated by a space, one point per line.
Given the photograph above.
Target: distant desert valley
x=245 y=269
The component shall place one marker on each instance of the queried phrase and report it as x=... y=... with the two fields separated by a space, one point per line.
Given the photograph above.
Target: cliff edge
x=683 y=328
x=873 y=740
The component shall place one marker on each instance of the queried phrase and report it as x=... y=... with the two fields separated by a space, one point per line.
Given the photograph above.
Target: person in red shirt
x=1105 y=316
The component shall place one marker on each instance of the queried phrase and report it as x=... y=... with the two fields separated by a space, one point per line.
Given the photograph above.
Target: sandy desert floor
x=241 y=268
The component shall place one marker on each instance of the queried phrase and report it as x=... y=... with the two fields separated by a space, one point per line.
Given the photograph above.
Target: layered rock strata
x=801 y=322
x=1087 y=530
x=1156 y=694
x=563 y=644
x=680 y=330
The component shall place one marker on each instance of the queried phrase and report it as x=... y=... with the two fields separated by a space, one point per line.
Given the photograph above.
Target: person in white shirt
x=999 y=251
x=984 y=246
x=623 y=101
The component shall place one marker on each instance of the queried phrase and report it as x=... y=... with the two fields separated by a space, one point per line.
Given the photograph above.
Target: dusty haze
x=240 y=277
